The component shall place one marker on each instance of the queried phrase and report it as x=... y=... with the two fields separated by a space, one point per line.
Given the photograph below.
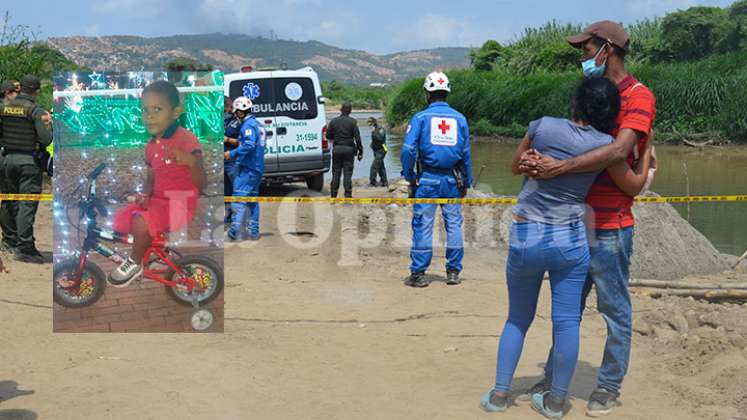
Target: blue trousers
x=609 y=272
x=245 y=184
x=228 y=173
x=436 y=186
x=536 y=248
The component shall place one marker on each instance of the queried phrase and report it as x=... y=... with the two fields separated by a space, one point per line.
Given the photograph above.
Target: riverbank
x=330 y=316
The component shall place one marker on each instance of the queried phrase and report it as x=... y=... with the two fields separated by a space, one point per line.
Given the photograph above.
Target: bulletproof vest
x=18 y=132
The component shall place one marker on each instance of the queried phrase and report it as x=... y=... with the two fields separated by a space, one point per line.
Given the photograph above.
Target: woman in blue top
x=548 y=235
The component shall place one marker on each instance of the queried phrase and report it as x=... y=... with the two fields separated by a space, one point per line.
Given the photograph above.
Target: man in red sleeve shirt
x=604 y=46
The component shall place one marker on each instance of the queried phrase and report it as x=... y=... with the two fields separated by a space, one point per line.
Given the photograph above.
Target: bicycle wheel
x=71 y=294
x=207 y=277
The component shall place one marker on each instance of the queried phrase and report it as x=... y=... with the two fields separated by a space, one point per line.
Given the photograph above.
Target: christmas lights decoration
x=95 y=122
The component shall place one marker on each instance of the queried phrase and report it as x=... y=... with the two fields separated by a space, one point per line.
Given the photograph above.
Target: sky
x=384 y=26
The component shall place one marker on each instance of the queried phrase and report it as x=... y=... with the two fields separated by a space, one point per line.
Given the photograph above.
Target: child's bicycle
x=191 y=280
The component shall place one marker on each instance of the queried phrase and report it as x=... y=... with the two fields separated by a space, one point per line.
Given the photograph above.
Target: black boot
x=452 y=277
x=28 y=255
x=417 y=280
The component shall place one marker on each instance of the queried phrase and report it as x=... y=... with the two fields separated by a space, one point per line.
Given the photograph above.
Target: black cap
x=30 y=82
x=10 y=86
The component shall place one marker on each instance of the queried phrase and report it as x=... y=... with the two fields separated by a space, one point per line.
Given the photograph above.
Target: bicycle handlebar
x=96 y=172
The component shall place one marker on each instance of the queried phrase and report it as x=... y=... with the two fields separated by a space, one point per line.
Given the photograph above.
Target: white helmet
x=436 y=81
x=242 y=103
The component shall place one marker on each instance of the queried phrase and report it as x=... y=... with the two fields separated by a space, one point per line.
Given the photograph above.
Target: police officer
x=249 y=158
x=346 y=137
x=231 y=125
x=25 y=129
x=437 y=144
x=10 y=90
x=378 y=145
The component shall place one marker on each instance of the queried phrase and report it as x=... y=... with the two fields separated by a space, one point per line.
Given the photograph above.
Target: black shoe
x=539 y=388
x=601 y=403
x=417 y=280
x=31 y=256
x=452 y=277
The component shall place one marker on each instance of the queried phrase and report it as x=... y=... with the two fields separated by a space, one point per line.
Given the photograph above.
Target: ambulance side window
x=296 y=98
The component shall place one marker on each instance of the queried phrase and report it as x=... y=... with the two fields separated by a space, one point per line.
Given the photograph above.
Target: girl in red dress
x=174 y=178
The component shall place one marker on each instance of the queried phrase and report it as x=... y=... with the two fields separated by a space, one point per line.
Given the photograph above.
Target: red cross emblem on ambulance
x=444 y=131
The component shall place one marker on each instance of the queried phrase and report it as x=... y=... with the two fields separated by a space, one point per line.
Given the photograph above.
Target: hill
x=229 y=52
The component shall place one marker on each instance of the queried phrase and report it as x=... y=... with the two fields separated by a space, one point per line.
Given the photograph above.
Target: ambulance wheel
x=315 y=182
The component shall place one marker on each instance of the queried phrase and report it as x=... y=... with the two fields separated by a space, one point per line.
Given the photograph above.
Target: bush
x=732 y=117
x=557 y=56
x=698 y=32
x=705 y=96
x=484 y=58
x=360 y=97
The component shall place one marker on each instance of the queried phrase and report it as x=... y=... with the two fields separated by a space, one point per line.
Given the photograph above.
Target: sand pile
x=666 y=247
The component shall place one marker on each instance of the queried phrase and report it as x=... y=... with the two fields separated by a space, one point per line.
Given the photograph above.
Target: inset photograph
x=138 y=202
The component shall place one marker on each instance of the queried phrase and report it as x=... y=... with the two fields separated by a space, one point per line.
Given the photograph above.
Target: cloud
x=288 y=19
x=434 y=30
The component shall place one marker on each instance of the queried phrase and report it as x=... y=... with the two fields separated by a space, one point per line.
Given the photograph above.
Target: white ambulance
x=290 y=105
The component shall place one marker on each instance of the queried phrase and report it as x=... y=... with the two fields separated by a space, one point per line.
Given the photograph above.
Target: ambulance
x=290 y=105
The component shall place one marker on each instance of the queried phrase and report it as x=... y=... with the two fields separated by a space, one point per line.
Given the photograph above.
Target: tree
x=484 y=58
x=182 y=64
x=16 y=57
x=699 y=32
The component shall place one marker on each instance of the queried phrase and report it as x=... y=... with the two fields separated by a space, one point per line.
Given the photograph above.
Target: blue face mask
x=590 y=68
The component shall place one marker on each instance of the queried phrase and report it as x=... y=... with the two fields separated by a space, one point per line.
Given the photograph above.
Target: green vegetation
x=20 y=55
x=694 y=60
x=360 y=97
x=181 y=64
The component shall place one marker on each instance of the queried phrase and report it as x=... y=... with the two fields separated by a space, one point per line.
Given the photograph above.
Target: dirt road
x=327 y=330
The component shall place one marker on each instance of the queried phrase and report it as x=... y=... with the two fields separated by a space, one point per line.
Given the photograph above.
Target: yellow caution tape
x=406 y=201
x=26 y=197
x=465 y=201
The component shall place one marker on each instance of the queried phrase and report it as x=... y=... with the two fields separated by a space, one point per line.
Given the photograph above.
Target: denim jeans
x=609 y=272
x=536 y=248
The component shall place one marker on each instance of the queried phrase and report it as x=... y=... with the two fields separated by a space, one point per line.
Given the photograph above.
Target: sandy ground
x=326 y=329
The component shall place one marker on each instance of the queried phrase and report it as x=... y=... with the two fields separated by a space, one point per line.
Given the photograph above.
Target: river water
x=682 y=171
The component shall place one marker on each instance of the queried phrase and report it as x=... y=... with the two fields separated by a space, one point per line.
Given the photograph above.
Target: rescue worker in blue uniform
x=437 y=162
x=231 y=126
x=249 y=158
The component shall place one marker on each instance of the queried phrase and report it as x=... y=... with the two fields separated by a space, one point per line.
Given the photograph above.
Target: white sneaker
x=125 y=273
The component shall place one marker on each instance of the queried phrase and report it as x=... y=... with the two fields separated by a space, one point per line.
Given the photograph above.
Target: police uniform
x=378 y=145
x=346 y=137
x=249 y=160
x=231 y=125
x=22 y=135
x=439 y=138
x=9 y=86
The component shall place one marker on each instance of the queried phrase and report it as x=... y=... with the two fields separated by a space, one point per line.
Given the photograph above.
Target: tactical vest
x=18 y=131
